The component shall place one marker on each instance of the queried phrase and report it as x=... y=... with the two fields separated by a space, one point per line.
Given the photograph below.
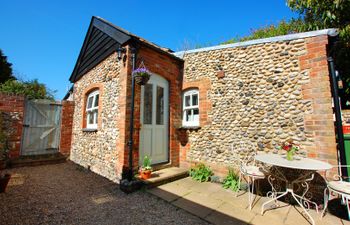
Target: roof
x=289 y=37
x=102 y=39
x=69 y=92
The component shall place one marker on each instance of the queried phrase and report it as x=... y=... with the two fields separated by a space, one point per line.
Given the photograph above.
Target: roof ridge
x=133 y=35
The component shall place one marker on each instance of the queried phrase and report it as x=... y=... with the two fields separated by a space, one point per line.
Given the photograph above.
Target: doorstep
x=37 y=160
x=164 y=176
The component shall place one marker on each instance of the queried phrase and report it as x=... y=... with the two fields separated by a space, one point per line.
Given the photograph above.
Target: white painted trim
x=155 y=80
x=289 y=37
x=91 y=109
x=191 y=107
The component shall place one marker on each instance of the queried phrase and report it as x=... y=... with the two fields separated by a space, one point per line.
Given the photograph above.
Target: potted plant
x=146 y=168
x=141 y=75
x=291 y=149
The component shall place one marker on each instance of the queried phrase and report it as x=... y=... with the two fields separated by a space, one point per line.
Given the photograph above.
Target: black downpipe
x=338 y=119
x=131 y=140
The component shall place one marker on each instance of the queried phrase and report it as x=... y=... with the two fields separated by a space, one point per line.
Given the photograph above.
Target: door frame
x=167 y=121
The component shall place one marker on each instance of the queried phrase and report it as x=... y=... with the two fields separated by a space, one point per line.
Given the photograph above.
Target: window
x=92 y=110
x=190 y=108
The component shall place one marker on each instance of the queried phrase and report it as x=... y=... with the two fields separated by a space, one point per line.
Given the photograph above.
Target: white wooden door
x=154 y=120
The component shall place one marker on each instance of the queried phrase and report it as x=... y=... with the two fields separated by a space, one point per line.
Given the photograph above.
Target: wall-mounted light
x=120 y=52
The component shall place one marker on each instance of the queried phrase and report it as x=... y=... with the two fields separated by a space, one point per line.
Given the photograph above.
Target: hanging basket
x=141 y=75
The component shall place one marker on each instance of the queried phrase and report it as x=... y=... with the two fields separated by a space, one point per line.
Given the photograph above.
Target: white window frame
x=194 y=120
x=93 y=110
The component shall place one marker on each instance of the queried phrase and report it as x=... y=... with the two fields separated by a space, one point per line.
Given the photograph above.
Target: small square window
x=191 y=108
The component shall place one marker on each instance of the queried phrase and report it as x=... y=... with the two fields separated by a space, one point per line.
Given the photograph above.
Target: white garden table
x=310 y=166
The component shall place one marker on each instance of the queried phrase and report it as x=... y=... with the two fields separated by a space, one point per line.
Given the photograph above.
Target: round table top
x=298 y=162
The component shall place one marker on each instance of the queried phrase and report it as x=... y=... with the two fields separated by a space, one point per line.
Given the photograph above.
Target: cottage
x=199 y=103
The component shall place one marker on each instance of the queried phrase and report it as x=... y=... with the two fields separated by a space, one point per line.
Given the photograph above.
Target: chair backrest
x=243 y=153
x=334 y=174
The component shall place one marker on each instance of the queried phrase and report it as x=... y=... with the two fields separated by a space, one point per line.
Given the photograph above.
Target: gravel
x=68 y=194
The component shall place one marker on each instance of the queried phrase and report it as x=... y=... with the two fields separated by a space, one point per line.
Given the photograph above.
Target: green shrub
x=31 y=89
x=282 y=28
x=200 y=172
x=231 y=181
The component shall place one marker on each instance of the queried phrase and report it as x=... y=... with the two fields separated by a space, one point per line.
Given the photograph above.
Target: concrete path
x=214 y=204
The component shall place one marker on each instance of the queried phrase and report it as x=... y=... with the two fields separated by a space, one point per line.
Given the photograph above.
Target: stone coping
x=330 y=32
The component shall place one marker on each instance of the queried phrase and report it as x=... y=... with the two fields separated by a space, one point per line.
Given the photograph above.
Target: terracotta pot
x=145 y=174
x=4 y=181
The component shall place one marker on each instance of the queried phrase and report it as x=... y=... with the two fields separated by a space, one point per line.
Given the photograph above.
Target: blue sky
x=42 y=39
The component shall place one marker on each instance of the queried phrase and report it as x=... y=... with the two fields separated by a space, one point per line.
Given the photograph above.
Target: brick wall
x=12 y=110
x=319 y=123
x=66 y=127
x=170 y=69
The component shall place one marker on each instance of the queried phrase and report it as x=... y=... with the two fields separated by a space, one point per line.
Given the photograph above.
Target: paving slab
x=166 y=195
x=277 y=208
x=236 y=213
x=187 y=182
x=222 y=219
x=175 y=189
x=203 y=200
x=206 y=188
x=212 y=203
x=297 y=216
x=192 y=207
x=271 y=217
x=229 y=196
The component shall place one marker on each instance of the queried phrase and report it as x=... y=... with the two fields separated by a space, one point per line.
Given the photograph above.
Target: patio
x=216 y=205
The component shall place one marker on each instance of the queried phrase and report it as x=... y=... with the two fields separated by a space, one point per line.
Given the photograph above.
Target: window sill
x=89 y=129
x=190 y=128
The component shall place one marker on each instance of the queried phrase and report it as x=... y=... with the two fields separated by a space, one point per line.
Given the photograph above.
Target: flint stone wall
x=256 y=97
x=98 y=150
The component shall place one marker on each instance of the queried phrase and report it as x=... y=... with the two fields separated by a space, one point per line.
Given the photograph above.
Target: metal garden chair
x=247 y=169
x=338 y=186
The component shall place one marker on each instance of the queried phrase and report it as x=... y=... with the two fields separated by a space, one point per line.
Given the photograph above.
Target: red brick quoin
x=167 y=67
x=320 y=123
x=66 y=127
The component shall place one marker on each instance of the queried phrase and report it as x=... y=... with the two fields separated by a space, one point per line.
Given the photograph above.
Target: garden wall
x=66 y=127
x=12 y=111
x=262 y=94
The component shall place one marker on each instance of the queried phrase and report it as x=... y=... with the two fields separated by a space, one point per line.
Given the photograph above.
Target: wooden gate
x=41 y=133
